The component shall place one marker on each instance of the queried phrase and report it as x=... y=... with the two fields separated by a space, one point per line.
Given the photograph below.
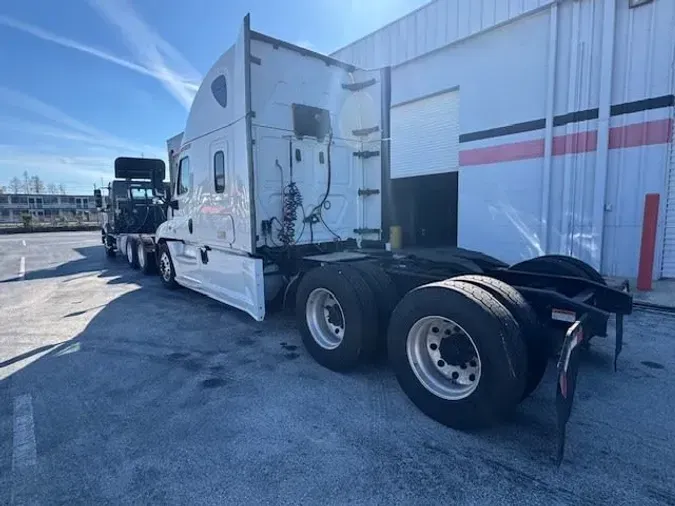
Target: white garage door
x=668 y=264
x=425 y=136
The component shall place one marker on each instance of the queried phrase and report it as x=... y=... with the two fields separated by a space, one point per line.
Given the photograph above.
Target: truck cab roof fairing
x=219 y=87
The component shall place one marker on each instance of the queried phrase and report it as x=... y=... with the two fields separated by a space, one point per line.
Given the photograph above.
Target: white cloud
x=68 y=129
x=151 y=50
x=82 y=155
x=187 y=84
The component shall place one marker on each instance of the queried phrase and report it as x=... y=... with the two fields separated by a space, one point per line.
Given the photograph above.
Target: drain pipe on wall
x=548 y=136
x=602 y=154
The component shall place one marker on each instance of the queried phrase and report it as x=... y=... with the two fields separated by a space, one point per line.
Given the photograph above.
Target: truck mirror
x=173 y=204
x=98 y=199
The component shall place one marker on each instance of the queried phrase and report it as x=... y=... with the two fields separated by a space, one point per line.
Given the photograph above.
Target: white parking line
x=22 y=267
x=23 y=242
x=24 y=451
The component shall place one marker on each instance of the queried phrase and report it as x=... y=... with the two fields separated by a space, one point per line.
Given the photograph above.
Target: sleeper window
x=219 y=171
x=183 y=176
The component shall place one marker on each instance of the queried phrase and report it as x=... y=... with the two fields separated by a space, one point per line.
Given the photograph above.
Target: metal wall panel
x=643 y=68
x=668 y=264
x=502 y=75
x=432 y=26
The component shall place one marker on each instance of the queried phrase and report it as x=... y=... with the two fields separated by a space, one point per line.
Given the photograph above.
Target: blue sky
x=85 y=81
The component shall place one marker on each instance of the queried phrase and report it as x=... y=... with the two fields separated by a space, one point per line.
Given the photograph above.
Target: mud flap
x=618 y=344
x=568 y=369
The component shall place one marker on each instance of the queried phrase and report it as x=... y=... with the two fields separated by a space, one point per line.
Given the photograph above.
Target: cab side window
x=219 y=171
x=183 y=179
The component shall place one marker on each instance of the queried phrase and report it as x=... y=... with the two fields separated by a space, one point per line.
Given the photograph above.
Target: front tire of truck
x=337 y=316
x=458 y=354
x=166 y=271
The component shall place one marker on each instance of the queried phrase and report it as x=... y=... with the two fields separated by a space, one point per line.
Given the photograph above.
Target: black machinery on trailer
x=467 y=335
x=136 y=205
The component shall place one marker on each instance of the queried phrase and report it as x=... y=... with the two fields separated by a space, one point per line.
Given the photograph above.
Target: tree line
x=32 y=184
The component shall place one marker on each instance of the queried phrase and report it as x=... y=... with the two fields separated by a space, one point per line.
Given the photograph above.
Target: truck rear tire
x=167 y=273
x=561 y=265
x=337 y=316
x=386 y=296
x=146 y=260
x=590 y=272
x=458 y=354
x=538 y=347
x=132 y=253
x=558 y=265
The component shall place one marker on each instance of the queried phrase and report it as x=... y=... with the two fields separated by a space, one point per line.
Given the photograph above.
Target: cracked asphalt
x=114 y=390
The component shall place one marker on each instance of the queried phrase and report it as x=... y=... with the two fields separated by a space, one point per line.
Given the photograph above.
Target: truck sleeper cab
x=281 y=192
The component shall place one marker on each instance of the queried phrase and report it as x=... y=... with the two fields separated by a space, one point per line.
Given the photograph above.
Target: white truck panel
x=243 y=151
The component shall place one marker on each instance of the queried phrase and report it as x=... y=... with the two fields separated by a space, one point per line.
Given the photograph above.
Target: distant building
x=47 y=207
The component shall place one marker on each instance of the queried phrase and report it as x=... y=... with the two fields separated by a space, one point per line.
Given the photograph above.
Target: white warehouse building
x=541 y=125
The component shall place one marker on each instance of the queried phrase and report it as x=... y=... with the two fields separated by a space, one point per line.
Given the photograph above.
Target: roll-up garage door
x=668 y=263
x=425 y=136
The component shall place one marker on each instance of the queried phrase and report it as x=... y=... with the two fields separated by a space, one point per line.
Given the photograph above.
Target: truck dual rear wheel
x=385 y=293
x=538 y=351
x=132 y=253
x=458 y=354
x=145 y=259
x=337 y=316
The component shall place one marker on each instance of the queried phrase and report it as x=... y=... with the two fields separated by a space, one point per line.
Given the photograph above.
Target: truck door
x=185 y=251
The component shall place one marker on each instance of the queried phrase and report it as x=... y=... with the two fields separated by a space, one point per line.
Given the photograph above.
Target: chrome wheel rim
x=444 y=357
x=165 y=266
x=141 y=255
x=325 y=318
x=130 y=253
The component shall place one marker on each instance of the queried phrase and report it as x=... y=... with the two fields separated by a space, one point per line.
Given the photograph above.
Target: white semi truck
x=281 y=192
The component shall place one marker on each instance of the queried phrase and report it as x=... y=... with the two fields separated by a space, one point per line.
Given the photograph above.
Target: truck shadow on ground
x=168 y=396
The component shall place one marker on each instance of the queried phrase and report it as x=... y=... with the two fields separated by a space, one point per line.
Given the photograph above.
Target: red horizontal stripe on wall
x=639 y=134
x=581 y=142
x=503 y=153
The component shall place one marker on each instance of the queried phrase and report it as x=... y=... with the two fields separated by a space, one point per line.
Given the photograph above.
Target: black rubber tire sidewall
x=385 y=293
x=134 y=254
x=498 y=390
x=549 y=265
x=359 y=310
x=589 y=271
x=538 y=346
x=149 y=266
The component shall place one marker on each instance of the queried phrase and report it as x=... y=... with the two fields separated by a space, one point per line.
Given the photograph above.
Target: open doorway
x=426 y=209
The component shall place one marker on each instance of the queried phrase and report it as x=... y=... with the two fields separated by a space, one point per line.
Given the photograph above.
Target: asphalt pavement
x=114 y=390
